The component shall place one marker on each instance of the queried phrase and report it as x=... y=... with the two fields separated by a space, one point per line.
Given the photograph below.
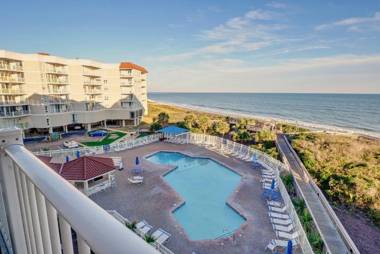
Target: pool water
x=205 y=185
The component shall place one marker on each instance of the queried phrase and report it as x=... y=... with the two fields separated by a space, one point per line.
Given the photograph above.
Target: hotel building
x=43 y=93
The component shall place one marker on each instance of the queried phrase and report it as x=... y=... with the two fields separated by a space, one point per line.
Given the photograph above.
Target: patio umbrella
x=289 y=249
x=137 y=168
x=272 y=184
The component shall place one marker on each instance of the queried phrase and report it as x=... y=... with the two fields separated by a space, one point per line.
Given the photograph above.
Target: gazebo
x=89 y=174
x=172 y=131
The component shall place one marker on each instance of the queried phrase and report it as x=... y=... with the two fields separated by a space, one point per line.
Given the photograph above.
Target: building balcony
x=91 y=73
x=56 y=71
x=5 y=79
x=14 y=114
x=58 y=82
x=126 y=84
x=93 y=91
x=126 y=75
x=12 y=91
x=13 y=102
x=11 y=68
x=58 y=91
x=92 y=83
x=44 y=203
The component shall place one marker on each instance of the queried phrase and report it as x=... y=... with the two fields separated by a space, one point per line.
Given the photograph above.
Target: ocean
x=359 y=113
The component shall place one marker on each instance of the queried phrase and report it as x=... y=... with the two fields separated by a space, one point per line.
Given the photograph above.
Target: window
x=132 y=114
x=47 y=121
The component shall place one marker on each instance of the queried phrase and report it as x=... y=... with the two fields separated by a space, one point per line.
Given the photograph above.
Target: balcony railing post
x=10 y=190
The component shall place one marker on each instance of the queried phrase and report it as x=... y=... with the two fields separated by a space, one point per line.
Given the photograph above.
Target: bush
x=155 y=126
x=149 y=239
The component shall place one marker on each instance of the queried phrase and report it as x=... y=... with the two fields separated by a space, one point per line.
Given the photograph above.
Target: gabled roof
x=129 y=65
x=81 y=169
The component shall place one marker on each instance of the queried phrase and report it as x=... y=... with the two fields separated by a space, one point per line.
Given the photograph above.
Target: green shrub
x=155 y=126
x=149 y=239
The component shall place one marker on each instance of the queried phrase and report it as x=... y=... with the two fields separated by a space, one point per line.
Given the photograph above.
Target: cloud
x=340 y=73
x=277 y=5
x=356 y=24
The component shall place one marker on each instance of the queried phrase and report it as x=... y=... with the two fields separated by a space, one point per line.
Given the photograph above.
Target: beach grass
x=345 y=167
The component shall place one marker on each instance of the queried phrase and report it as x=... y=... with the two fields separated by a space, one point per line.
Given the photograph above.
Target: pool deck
x=155 y=199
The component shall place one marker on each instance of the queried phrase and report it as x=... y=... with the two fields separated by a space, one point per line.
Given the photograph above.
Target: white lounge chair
x=275 y=243
x=278 y=215
x=143 y=227
x=287 y=236
x=289 y=228
x=160 y=236
x=269 y=186
x=277 y=209
x=283 y=222
x=136 y=179
x=274 y=203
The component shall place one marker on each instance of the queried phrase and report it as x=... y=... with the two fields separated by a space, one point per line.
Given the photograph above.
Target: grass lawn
x=110 y=138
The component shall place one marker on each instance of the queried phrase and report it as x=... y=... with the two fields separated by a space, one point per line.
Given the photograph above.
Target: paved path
x=323 y=221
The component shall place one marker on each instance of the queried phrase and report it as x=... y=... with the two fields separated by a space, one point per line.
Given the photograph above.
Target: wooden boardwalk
x=330 y=234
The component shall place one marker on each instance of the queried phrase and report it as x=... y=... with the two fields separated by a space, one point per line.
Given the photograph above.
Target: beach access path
x=332 y=238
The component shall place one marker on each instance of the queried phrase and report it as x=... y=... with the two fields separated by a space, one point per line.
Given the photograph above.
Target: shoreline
x=314 y=127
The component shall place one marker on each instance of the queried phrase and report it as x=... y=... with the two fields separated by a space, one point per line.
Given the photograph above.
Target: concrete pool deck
x=155 y=199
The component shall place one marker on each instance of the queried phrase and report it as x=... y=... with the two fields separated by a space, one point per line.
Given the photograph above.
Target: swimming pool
x=205 y=185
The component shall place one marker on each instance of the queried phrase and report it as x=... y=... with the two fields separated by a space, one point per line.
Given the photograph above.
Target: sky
x=211 y=46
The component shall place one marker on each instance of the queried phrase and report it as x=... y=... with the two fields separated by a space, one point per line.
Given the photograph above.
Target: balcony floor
x=154 y=199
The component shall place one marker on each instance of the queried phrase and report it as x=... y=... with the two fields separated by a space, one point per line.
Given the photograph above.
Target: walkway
x=330 y=234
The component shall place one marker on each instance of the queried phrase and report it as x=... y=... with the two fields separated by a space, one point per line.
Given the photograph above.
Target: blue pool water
x=205 y=185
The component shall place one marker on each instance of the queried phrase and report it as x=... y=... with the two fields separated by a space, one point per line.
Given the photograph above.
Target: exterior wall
x=58 y=91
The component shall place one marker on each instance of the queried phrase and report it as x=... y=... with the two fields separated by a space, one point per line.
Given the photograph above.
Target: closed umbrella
x=137 y=168
x=289 y=249
x=67 y=158
x=78 y=154
x=272 y=184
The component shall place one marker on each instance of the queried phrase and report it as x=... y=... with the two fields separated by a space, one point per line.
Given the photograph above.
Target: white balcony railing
x=11 y=91
x=43 y=209
x=11 y=79
x=8 y=67
x=15 y=113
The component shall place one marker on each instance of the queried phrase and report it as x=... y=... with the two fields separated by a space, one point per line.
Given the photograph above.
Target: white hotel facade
x=43 y=93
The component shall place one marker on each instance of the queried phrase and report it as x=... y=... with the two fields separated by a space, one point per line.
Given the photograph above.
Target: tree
x=245 y=136
x=189 y=121
x=155 y=126
x=163 y=118
x=264 y=135
x=242 y=124
x=221 y=127
x=203 y=123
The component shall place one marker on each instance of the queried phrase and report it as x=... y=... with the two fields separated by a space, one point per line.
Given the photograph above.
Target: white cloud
x=356 y=24
x=341 y=73
x=277 y=5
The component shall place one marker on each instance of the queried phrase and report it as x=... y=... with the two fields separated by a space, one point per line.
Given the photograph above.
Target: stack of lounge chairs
x=160 y=236
x=282 y=225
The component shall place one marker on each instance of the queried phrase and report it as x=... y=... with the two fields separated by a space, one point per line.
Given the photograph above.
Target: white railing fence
x=225 y=146
x=115 y=147
x=43 y=209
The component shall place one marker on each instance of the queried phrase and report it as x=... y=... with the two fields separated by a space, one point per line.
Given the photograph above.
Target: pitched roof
x=129 y=65
x=173 y=130
x=83 y=168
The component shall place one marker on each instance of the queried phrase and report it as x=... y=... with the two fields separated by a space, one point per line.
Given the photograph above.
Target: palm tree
x=163 y=118
x=221 y=127
x=203 y=123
